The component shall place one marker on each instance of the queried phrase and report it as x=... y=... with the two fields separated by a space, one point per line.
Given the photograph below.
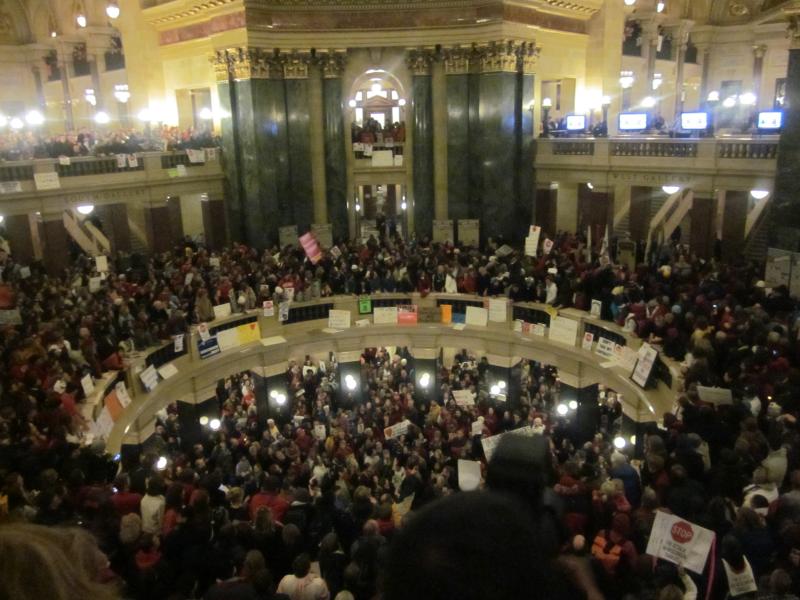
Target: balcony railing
x=78 y=167
x=649 y=148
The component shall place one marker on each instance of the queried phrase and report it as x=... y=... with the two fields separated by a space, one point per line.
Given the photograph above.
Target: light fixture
x=85 y=209
x=3 y=120
x=619 y=442
x=748 y=99
x=206 y=113
x=90 y=96
x=34 y=117
x=112 y=10
x=81 y=20
x=425 y=380
x=161 y=463
x=633 y=440
x=670 y=189
x=102 y=118
x=547 y=103
x=214 y=424
x=204 y=420
x=16 y=123
x=605 y=101
x=649 y=102
x=403 y=204
x=121 y=93
x=657 y=81
x=494 y=390
x=402 y=102
x=145 y=115
x=590 y=185
x=626 y=79
x=350 y=382
x=53 y=34
x=501 y=385
x=376 y=88
x=2 y=218
x=573 y=405
x=562 y=409
x=352 y=103
x=660 y=7
x=630 y=2
x=759 y=194
x=713 y=96
x=280 y=399
x=729 y=102
x=358 y=207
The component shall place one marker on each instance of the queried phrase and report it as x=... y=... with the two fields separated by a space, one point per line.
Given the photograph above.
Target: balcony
x=42 y=184
x=742 y=162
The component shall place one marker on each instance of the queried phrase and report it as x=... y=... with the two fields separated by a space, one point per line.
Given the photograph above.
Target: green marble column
x=458 y=146
x=422 y=142
x=272 y=163
x=231 y=161
x=526 y=188
x=301 y=194
x=785 y=213
x=335 y=158
x=475 y=150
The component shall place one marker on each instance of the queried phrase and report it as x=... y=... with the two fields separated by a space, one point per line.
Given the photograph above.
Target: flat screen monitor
x=772 y=119
x=694 y=121
x=576 y=122
x=632 y=121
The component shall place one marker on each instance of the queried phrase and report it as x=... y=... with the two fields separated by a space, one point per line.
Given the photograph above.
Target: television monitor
x=576 y=122
x=694 y=121
x=632 y=121
x=771 y=120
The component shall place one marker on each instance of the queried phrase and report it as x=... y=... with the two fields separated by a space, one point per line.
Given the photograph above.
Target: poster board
x=778 y=269
x=287 y=236
x=324 y=234
x=469 y=475
x=645 y=362
x=338 y=319
x=396 y=430
x=715 y=395
x=477 y=316
x=407 y=314
x=222 y=310
x=498 y=310
x=605 y=347
x=680 y=542
x=47 y=181
x=385 y=315
x=463 y=397
x=443 y=230
x=469 y=232
x=563 y=331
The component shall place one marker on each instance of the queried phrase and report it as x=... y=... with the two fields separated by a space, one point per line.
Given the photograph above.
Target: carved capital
x=332 y=64
x=419 y=61
x=792 y=16
x=499 y=57
x=529 y=57
x=759 y=51
x=219 y=61
x=456 y=60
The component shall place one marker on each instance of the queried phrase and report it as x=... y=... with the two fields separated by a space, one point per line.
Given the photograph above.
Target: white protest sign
x=680 y=542
x=222 y=310
x=121 y=161
x=283 y=311
x=489 y=444
x=104 y=423
x=167 y=371
x=319 y=432
x=588 y=339
x=539 y=329
x=563 y=330
x=741 y=582
x=469 y=475
x=101 y=263
x=87 y=384
x=338 y=319
x=149 y=378
x=10 y=187
x=532 y=241
x=384 y=315
x=24 y=272
x=597 y=306
x=122 y=394
x=477 y=428
x=646 y=358
x=498 y=310
x=464 y=397
x=477 y=316
x=177 y=342
x=202 y=329
x=547 y=246
x=715 y=395
x=396 y=430
x=94 y=284
x=46 y=181
x=269 y=308
x=11 y=316
x=605 y=347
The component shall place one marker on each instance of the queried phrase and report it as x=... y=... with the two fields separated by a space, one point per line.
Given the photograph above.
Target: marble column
x=526 y=100
x=316 y=127
x=681 y=40
x=567 y=207
x=650 y=43
x=457 y=66
x=439 y=106
x=56 y=243
x=419 y=63
x=64 y=58
x=334 y=136
x=704 y=52
x=759 y=51
x=298 y=137
x=18 y=232
x=785 y=212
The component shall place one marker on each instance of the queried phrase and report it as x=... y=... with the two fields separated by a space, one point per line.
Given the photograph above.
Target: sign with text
x=407 y=314
x=385 y=315
x=443 y=231
x=339 y=319
x=563 y=330
x=477 y=316
x=396 y=430
x=469 y=232
x=646 y=360
x=680 y=542
x=46 y=181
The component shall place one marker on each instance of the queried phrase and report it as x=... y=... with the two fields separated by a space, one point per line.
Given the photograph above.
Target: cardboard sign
x=446 y=313
x=563 y=331
x=122 y=160
x=741 y=583
x=385 y=315
x=548 y=245
x=178 y=343
x=122 y=394
x=149 y=378
x=133 y=163
x=222 y=310
x=715 y=395
x=538 y=329
x=498 y=310
x=101 y=263
x=469 y=232
x=283 y=311
x=588 y=339
x=477 y=428
x=320 y=434
x=311 y=247
x=646 y=359
x=46 y=181
x=167 y=371
x=469 y=475
x=196 y=156
x=605 y=348
x=490 y=443
x=180 y=170
x=464 y=397
x=338 y=319
x=532 y=241
x=597 y=306
x=269 y=308
x=87 y=384
x=202 y=329
x=407 y=315
x=477 y=316
x=396 y=430
x=680 y=542
x=443 y=230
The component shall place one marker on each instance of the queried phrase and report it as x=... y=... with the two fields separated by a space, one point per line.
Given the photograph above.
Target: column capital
x=681 y=32
x=759 y=50
x=332 y=63
x=529 y=57
x=419 y=60
x=296 y=64
x=501 y=56
x=791 y=14
x=456 y=60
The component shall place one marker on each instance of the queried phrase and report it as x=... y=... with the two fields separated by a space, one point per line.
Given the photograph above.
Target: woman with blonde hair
x=38 y=563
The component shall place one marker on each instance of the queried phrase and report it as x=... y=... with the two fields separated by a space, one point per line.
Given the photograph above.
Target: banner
x=196 y=156
x=46 y=181
x=10 y=187
x=396 y=430
x=680 y=542
x=463 y=397
x=469 y=232
x=385 y=315
x=338 y=319
x=563 y=330
x=477 y=316
x=407 y=314
x=311 y=247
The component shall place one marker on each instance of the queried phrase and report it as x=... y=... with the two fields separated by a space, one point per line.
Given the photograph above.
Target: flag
x=311 y=247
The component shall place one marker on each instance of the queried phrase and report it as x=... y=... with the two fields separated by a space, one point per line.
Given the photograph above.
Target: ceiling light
x=403 y=205
x=748 y=99
x=494 y=390
x=204 y=420
x=630 y=2
x=376 y=88
x=759 y=194
x=34 y=117
x=619 y=442
x=425 y=380
x=81 y=20
x=590 y=185
x=102 y=118
x=215 y=424
x=358 y=207
x=562 y=409
x=713 y=96
x=161 y=463
x=85 y=209
x=501 y=385
x=573 y=405
x=660 y=7
x=112 y=10
x=16 y=123
x=729 y=102
x=402 y=102
x=206 y=114
x=280 y=399
x=350 y=382
x=53 y=34
x=670 y=189
x=352 y=103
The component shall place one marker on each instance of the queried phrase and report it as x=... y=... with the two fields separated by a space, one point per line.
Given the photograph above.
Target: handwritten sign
x=396 y=430
x=680 y=542
x=338 y=319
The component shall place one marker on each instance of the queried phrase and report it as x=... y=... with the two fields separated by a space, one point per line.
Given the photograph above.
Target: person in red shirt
x=125 y=502
x=270 y=497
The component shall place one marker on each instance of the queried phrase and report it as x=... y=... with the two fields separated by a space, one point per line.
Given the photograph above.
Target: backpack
x=607 y=553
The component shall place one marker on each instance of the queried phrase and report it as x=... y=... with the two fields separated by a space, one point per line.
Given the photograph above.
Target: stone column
x=650 y=44
x=759 y=51
x=419 y=63
x=64 y=58
x=457 y=70
x=567 y=207
x=56 y=243
x=439 y=104
x=316 y=128
x=681 y=37
x=332 y=64
x=704 y=52
x=785 y=212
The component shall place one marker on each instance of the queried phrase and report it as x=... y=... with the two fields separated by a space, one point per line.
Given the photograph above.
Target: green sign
x=364 y=306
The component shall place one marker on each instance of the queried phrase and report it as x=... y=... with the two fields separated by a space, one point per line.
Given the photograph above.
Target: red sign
x=407 y=314
x=682 y=532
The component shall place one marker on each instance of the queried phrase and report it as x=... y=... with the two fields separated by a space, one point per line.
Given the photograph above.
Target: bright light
x=402 y=102
x=649 y=102
x=206 y=114
x=425 y=380
x=573 y=405
x=729 y=102
x=16 y=123
x=494 y=390
x=403 y=205
x=501 y=385
x=660 y=7
x=280 y=399
x=204 y=420
x=3 y=120
x=633 y=440
x=2 y=218
x=161 y=463
x=85 y=209
x=112 y=10
x=626 y=79
x=376 y=88
x=590 y=185
x=214 y=424
x=145 y=115
x=606 y=100
x=670 y=189
x=273 y=394
x=713 y=96
x=81 y=20
x=34 y=117
x=122 y=93
x=358 y=207
x=102 y=118
x=562 y=409
x=657 y=81
x=759 y=194
x=630 y=2
x=748 y=99
x=350 y=382
x=547 y=103
x=352 y=103
x=619 y=442
x=53 y=34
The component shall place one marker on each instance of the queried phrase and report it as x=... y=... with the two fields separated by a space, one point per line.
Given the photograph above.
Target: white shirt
x=152 y=509
x=309 y=587
x=552 y=293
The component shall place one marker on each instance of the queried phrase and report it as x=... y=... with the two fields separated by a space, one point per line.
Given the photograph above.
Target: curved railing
x=254 y=341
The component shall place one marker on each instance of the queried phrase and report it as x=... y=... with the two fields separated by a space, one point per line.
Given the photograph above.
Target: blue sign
x=208 y=348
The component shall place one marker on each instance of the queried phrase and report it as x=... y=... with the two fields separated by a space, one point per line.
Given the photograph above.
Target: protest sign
x=469 y=475
x=680 y=542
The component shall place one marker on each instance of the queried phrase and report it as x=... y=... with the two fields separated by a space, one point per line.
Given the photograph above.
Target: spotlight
x=16 y=123
x=214 y=424
x=85 y=209
x=81 y=20
x=670 y=189
x=748 y=99
x=273 y=394
x=402 y=102
x=351 y=104
x=34 y=117
x=206 y=114
x=112 y=10
x=660 y=7
x=102 y=118
x=729 y=102
x=573 y=405
x=562 y=409
x=494 y=390
x=619 y=442
x=161 y=463
x=53 y=34
x=280 y=399
x=425 y=380
x=350 y=382
x=358 y=207
x=590 y=185
x=204 y=420
x=403 y=205
x=501 y=385
x=759 y=194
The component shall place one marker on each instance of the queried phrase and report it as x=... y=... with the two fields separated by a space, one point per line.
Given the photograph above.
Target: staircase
x=757 y=240
x=90 y=239
x=667 y=215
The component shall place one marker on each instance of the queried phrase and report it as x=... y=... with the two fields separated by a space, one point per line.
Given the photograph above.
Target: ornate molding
x=332 y=63
x=457 y=60
x=499 y=57
x=296 y=64
x=529 y=57
x=419 y=61
x=792 y=16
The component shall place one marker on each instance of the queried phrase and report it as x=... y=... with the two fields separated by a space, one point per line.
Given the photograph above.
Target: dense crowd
x=27 y=145
x=336 y=489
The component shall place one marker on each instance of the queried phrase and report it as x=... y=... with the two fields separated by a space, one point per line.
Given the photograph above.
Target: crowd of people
x=27 y=145
x=312 y=500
